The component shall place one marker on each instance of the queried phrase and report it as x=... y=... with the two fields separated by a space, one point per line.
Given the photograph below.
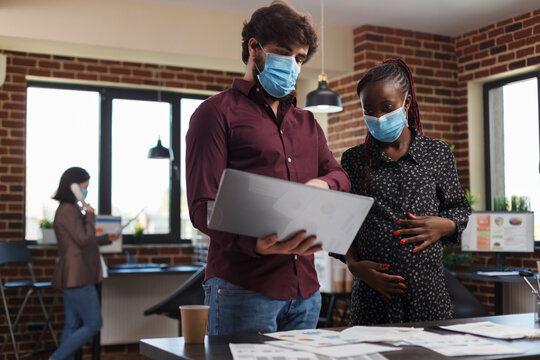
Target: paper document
x=381 y=333
x=258 y=206
x=463 y=345
x=314 y=337
x=493 y=330
x=336 y=351
x=106 y=224
x=267 y=352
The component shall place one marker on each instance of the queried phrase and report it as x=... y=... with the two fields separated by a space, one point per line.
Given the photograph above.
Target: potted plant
x=47 y=232
x=138 y=232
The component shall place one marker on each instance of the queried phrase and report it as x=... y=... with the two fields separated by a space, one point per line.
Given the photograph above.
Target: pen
x=532 y=287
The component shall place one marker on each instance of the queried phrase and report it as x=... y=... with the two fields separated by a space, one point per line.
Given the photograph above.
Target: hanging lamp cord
x=322 y=35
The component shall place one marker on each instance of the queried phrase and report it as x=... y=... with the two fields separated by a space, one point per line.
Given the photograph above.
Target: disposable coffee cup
x=194 y=321
x=339 y=279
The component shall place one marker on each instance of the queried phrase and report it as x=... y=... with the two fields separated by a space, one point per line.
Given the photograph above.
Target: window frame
x=107 y=95
x=486 y=88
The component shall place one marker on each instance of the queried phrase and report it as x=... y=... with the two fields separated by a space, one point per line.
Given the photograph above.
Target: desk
x=126 y=293
x=497 y=280
x=217 y=347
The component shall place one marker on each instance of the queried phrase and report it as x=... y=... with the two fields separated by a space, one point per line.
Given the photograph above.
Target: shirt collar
x=414 y=151
x=248 y=88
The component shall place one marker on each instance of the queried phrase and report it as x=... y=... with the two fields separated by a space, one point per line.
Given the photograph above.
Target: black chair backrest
x=14 y=251
x=189 y=293
x=465 y=304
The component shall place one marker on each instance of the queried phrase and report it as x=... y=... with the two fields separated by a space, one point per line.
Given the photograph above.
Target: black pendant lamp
x=323 y=100
x=160 y=152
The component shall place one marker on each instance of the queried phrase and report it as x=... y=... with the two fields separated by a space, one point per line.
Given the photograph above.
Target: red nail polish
x=401 y=292
x=404 y=286
x=396 y=233
x=414 y=250
x=401 y=279
x=398 y=222
x=402 y=242
x=386 y=265
x=410 y=214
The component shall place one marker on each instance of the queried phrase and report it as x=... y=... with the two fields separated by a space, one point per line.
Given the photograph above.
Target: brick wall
x=12 y=168
x=441 y=68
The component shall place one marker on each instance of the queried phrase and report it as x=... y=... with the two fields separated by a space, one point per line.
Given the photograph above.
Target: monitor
x=500 y=232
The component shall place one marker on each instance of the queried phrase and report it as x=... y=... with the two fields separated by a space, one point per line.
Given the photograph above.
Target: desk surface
x=472 y=274
x=155 y=270
x=217 y=347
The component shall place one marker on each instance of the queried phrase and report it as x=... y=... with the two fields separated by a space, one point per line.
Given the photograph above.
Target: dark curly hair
x=397 y=71
x=279 y=22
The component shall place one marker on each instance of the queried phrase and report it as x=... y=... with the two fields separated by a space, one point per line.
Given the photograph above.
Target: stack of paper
x=352 y=343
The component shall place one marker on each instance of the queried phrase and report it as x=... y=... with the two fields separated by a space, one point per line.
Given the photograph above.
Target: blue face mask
x=84 y=192
x=388 y=127
x=279 y=74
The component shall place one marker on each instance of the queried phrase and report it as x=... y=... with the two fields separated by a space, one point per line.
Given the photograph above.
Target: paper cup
x=339 y=279
x=349 y=278
x=194 y=321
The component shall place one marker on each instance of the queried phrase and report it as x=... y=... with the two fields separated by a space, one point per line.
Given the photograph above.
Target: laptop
x=255 y=205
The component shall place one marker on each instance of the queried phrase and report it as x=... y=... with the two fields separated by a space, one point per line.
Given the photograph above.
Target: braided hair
x=397 y=71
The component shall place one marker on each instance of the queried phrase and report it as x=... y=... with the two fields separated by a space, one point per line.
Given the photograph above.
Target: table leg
x=498 y=298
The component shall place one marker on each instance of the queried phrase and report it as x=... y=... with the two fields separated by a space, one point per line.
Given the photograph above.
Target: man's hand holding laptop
x=299 y=244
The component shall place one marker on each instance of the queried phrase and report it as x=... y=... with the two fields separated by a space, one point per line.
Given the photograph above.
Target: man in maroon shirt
x=253 y=284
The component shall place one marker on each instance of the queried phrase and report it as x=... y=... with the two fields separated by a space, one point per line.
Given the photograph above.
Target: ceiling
x=442 y=17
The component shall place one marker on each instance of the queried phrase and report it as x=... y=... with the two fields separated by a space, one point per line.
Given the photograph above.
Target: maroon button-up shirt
x=237 y=129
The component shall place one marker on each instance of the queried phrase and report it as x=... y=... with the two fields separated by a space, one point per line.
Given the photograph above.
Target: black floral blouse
x=424 y=182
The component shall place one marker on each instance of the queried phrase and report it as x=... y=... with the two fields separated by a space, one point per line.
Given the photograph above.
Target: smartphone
x=76 y=189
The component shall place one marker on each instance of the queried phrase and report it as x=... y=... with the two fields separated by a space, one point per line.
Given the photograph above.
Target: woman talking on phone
x=78 y=269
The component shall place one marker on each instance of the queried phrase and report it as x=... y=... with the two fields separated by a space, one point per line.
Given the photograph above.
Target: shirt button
x=289 y=159
x=257 y=89
x=295 y=257
x=281 y=132
x=266 y=105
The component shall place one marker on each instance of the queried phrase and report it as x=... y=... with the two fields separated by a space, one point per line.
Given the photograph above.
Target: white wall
x=146 y=32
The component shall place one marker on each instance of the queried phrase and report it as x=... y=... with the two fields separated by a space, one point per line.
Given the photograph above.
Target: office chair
x=17 y=251
x=189 y=293
x=465 y=304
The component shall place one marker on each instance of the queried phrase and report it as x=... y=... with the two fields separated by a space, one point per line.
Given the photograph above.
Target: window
x=108 y=131
x=513 y=142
